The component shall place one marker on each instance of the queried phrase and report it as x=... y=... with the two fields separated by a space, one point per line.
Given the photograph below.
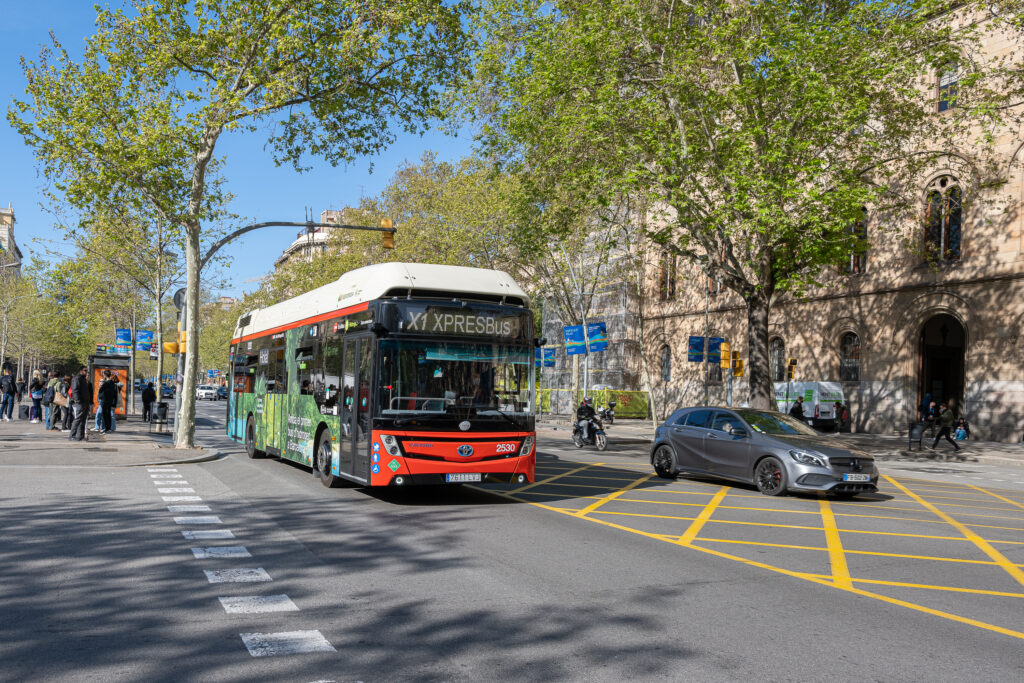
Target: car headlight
x=390 y=444
x=809 y=458
x=527 y=446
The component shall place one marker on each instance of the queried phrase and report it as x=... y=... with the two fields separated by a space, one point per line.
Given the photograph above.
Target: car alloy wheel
x=770 y=477
x=664 y=463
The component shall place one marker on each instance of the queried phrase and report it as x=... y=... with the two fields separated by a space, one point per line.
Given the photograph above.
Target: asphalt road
x=240 y=570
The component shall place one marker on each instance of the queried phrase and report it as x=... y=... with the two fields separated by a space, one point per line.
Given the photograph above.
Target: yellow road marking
x=787 y=572
x=702 y=519
x=1011 y=502
x=557 y=476
x=982 y=544
x=612 y=496
x=836 y=557
x=951 y=589
x=705 y=539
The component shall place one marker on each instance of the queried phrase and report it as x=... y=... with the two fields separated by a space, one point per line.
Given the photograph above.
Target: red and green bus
x=396 y=374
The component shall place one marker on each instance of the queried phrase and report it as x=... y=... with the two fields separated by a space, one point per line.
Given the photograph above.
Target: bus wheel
x=322 y=464
x=250 y=440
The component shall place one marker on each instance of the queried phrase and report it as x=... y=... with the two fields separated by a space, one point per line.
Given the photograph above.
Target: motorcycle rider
x=584 y=415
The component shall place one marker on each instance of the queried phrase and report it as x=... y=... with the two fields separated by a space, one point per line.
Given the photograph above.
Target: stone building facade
x=935 y=307
x=9 y=251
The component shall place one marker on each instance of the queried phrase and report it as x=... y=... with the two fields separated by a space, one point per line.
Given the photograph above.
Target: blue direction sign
x=598 y=336
x=695 y=349
x=122 y=336
x=144 y=336
x=574 y=344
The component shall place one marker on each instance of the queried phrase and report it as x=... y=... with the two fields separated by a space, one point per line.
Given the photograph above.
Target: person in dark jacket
x=69 y=409
x=148 y=397
x=107 y=398
x=81 y=396
x=797 y=409
x=945 y=427
x=9 y=390
x=35 y=392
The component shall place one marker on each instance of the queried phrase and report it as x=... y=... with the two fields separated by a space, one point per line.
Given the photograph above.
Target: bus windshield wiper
x=506 y=416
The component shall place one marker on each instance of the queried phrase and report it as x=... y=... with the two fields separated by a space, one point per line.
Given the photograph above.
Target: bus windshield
x=443 y=377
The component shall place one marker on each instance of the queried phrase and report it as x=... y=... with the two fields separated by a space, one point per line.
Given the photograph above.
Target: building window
x=777 y=359
x=667 y=276
x=943 y=220
x=849 y=358
x=666 y=364
x=857 y=259
x=949 y=77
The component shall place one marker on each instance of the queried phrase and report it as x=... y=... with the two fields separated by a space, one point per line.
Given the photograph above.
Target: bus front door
x=354 y=446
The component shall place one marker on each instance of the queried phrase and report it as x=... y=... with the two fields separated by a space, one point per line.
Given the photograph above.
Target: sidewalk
x=132 y=445
x=882 y=447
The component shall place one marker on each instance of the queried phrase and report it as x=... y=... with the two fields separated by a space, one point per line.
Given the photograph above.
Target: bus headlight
x=390 y=444
x=527 y=446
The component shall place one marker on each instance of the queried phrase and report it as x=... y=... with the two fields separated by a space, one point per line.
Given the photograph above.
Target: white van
x=819 y=401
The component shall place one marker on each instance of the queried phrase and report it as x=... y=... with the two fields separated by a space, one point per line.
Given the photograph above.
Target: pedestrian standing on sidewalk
x=9 y=390
x=945 y=427
x=64 y=399
x=107 y=399
x=21 y=387
x=51 y=410
x=81 y=397
x=35 y=391
x=148 y=397
x=797 y=409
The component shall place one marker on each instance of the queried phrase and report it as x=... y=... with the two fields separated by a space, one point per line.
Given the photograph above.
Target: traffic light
x=791 y=369
x=387 y=239
x=737 y=364
x=726 y=356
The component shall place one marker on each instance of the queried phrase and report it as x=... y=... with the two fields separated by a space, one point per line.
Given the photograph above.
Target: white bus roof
x=357 y=287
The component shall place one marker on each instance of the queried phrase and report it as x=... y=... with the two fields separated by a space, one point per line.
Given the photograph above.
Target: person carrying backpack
x=35 y=392
x=945 y=421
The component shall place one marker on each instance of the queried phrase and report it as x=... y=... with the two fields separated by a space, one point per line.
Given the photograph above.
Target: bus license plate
x=856 y=477
x=462 y=477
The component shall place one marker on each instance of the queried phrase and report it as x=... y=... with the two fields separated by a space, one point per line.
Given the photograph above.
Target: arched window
x=857 y=259
x=943 y=220
x=666 y=364
x=667 y=276
x=849 y=357
x=777 y=359
x=949 y=79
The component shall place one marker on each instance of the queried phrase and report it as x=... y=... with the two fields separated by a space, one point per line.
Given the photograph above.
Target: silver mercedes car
x=775 y=452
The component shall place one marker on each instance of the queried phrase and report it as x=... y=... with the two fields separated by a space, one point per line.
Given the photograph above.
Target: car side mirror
x=737 y=431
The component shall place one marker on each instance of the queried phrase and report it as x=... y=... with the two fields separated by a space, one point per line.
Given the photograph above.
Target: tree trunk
x=159 y=291
x=185 y=429
x=762 y=393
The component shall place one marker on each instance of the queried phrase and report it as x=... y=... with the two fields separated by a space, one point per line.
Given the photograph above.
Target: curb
x=213 y=455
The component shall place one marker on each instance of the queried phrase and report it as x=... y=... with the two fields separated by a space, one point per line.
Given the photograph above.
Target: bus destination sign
x=463 y=322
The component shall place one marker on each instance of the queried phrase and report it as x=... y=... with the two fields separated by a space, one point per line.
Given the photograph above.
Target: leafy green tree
x=142 y=113
x=759 y=129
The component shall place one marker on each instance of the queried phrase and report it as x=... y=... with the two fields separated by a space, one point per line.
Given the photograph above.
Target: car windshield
x=440 y=377
x=775 y=423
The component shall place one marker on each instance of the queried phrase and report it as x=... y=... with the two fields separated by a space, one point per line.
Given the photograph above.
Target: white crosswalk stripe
x=237 y=575
x=207 y=534
x=253 y=604
x=203 y=519
x=285 y=643
x=217 y=552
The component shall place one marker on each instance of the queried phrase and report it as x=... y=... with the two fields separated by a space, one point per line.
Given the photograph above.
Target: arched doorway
x=942 y=350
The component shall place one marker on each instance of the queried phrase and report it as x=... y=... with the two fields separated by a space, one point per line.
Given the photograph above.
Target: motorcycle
x=607 y=414
x=596 y=438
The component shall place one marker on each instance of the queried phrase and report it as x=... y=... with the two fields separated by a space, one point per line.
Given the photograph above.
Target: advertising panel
x=122 y=336
x=574 y=344
x=598 y=336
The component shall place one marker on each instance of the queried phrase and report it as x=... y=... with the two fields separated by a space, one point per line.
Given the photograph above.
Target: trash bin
x=915 y=433
x=158 y=412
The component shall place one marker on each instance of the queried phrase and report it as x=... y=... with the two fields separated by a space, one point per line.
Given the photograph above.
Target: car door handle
x=712 y=436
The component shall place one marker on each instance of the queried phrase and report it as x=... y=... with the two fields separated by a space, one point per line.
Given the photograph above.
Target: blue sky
x=262 y=191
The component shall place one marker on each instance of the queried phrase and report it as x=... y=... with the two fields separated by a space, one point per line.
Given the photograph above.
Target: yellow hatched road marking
x=557 y=476
x=951 y=589
x=703 y=517
x=612 y=496
x=705 y=539
x=836 y=557
x=787 y=572
x=1011 y=502
x=801 y=527
x=982 y=544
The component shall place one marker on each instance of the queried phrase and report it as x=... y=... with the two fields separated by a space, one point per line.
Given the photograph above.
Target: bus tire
x=250 y=439
x=323 y=456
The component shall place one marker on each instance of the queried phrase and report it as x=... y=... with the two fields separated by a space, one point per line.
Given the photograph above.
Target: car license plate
x=462 y=477
x=856 y=477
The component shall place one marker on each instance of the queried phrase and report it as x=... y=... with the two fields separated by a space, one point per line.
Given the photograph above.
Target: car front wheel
x=664 y=462
x=770 y=477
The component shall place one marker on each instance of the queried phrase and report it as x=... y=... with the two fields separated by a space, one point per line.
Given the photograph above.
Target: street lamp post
x=583 y=318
